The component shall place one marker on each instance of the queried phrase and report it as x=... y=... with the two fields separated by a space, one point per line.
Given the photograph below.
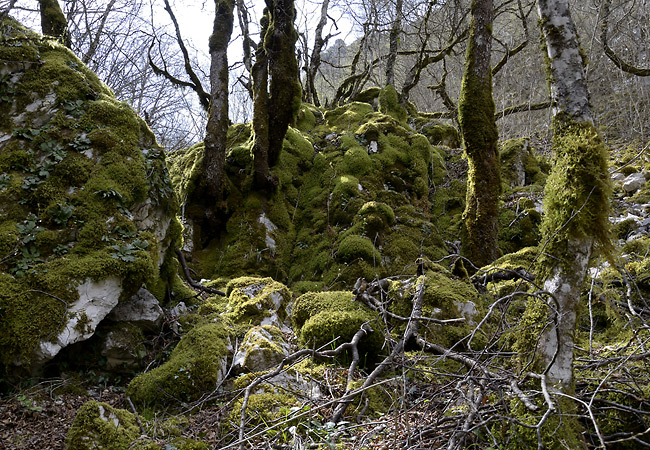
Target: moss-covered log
x=479 y=131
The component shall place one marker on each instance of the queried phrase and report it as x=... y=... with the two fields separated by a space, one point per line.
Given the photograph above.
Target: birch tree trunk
x=577 y=192
x=479 y=131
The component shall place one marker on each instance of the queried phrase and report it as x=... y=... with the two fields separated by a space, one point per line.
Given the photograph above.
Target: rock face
x=96 y=300
x=142 y=309
x=86 y=206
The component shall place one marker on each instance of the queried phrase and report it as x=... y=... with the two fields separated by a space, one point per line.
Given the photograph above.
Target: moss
x=328 y=329
x=320 y=317
x=252 y=299
x=358 y=247
x=196 y=365
x=98 y=425
x=577 y=191
x=379 y=400
x=306 y=120
x=263 y=408
x=437 y=132
x=561 y=429
x=349 y=117
x=389 y=104
x=370 y=95
x=520 y=165
x=445 y=297
x=357 y=162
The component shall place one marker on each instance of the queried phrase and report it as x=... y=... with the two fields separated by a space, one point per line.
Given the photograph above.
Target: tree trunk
x=577 y=193
x=53 y=21
x=285 y=92
x=261 y=115
x=314 y=61
x=575 y=223
x=479 y=131
x=217 y=127
x=393 y=42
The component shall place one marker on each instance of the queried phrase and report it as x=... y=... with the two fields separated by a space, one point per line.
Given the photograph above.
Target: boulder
x=257 y=301
x=633 y=182
x=142 y=309
x=263 y=347
x=96 y=300
x=198 y=364
x=87 y=212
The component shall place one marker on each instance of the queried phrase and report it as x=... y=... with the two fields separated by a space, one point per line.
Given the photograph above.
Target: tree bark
x=393 y=42
x=53 y=21
x=576 y=219
x=261 y=114
x=479 y=131
x=214 y=155
x=284 y=86
x=314 y=61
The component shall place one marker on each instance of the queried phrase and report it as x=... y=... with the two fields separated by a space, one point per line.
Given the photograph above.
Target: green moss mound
x=196 y=365
x=331 y=318
x=79 y=171
x=98 y=425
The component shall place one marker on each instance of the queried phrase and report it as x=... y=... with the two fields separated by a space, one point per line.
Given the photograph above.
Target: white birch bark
x=570 y=98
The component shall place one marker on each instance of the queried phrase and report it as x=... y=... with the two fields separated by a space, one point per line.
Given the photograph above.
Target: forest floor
x=40 y=417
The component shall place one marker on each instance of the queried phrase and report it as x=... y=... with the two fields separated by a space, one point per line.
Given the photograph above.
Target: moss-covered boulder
x=196 y=365
x=99 y=426
x=445 y=297
x=332 y=318
x=257 y=301
x=86 y=206
x=262 y=348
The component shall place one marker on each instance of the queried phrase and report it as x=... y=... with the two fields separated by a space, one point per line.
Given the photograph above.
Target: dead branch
x=617 y=60
x=188 y=276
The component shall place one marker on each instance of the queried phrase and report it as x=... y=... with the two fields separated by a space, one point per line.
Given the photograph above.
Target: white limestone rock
x=633 y=182
x=96 y=300
x=141 y=309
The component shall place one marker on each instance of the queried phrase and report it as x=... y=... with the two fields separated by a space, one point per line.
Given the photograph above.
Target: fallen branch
x=190 y=281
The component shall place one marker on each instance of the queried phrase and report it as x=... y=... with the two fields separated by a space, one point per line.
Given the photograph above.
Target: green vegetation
x=76 y=169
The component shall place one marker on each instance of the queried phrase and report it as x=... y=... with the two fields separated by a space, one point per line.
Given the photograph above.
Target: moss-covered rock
x=98 y=425
x=87 y=206
x=262 y=348
x=260 y=301
x=314 y=228
x=354 y=247
x=445 y=297
x=196 y=365
x=322 y=318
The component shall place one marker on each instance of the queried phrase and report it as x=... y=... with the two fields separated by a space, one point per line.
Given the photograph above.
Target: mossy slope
x=354 y=198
